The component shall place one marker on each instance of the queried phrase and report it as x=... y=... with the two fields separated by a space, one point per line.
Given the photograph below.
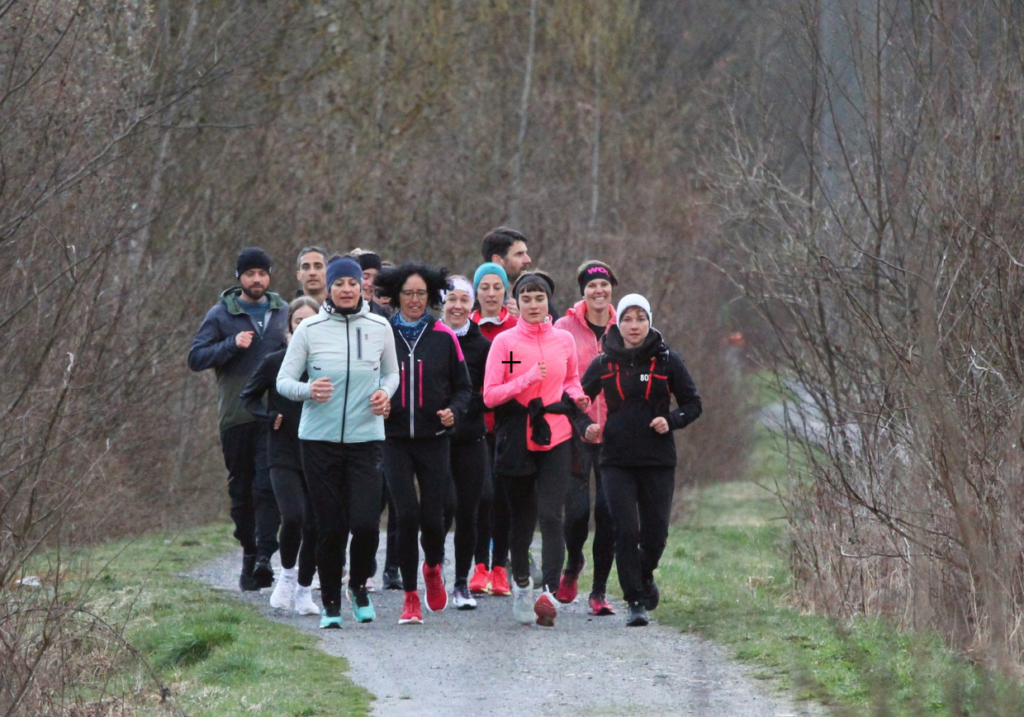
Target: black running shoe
x=637 y=615
x=263 y=573
x=392 y=578
x=652 y=596
x=246 y=581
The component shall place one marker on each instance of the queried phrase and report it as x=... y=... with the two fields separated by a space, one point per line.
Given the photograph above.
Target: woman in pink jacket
x=532 y=381
x=587 y=321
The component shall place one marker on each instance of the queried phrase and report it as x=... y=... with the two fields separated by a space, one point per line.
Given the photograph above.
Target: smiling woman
x=432 y=403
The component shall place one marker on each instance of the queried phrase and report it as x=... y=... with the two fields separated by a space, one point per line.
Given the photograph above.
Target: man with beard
x=245 y=325
x=506 y=247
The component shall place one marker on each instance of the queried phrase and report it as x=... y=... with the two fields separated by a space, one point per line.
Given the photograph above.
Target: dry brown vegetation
x=888 y=262
x=143 y=143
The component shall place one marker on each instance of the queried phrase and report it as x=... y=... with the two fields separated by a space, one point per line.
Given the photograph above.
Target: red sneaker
x=481 y=576
x=411 y=614
x=599 y=605
x=568 y=586
x=545 y=610
x=437 y=595
x=499 y=583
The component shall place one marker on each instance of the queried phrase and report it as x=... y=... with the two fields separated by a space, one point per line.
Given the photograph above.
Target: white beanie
x=630 y=300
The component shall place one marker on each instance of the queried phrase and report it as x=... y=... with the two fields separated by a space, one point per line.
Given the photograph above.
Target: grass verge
x=725 y=576
x=218 y=656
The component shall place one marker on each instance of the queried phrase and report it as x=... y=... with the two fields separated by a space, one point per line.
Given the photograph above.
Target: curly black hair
x=389 y=282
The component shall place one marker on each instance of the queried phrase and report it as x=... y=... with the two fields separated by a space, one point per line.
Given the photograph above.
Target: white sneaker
x=522 y=604
x=462 y=598
x=284 y=591
x=304 y=604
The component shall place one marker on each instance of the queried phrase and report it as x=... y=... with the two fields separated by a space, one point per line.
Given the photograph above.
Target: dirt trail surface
x=480 y=661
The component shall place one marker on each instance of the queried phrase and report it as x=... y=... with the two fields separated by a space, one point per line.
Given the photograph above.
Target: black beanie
x=369 y=260
x=251 y=258
x=595 y=270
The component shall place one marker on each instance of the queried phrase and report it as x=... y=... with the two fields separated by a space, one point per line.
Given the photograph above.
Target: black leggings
x=640 y=501
x=344 y=482
x=424 y=461
x=539 y=497
x=298 y=526
x=577 y=519
x=469 y=468
x=492 y=519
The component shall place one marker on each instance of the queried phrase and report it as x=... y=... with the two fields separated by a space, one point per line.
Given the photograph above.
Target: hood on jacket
x=615 y=347
x=230 y=297
x=578 y=312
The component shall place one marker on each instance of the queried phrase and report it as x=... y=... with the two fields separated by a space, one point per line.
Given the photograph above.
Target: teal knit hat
x=489 y=268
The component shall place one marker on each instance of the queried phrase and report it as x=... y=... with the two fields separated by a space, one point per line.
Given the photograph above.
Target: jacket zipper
x=412 y=382
x=348 y=372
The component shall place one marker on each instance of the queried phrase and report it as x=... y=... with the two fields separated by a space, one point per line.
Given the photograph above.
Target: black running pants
x=298 y=526
x=540 y=497
x=344 y=482
x=640 y=502
x=253 y=506
x=577 y=519
x=424 y=462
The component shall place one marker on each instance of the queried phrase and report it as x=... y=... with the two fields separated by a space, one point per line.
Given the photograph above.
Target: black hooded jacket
x=433 y=376
x=638 y=385
x=475 y=349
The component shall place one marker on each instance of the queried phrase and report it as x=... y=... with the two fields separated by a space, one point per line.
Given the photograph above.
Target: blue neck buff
x=410 y=331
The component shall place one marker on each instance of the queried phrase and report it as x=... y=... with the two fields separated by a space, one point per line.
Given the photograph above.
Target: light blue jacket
x=357 y=352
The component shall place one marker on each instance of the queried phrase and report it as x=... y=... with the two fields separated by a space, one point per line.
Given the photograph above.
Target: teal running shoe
x=362 y=608
x=330 y=618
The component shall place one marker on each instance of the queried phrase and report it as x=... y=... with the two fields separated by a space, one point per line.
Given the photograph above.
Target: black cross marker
x=511 y=363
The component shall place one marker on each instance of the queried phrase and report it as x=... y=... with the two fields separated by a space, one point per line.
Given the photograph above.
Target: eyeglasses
x=409 y=294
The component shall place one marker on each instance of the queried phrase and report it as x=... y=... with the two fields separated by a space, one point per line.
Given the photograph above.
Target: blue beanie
x=489 y=268
x=343 y=266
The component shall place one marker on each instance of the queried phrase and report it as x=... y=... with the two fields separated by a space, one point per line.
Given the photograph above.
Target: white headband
x=460 y=284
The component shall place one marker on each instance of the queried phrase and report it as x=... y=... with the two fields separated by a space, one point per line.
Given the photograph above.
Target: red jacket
x=529 y=344
x=587 y=349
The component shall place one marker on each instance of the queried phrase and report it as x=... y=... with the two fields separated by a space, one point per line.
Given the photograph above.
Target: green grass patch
x=218 y=656
x=725 y=575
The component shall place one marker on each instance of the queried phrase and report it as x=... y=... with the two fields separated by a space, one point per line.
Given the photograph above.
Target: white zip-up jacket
x=355 y=351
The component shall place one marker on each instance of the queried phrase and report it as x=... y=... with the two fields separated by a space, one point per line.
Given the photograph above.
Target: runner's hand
x=512 y=306
x=660 y=425
x=243 y=339
x=593 y=433
x=278 y=421
x=387 y=409
x=321 y=390
x=447 y=417
x=379 y=403
x=583 y=403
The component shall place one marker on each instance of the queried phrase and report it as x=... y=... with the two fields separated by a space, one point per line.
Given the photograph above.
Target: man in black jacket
x=246 y=324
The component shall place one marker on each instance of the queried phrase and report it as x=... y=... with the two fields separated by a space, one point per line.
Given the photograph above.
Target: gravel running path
x=480 y=661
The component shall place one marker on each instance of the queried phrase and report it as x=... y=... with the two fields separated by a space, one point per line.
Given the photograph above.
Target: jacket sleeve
x=289 y=378
x=496 y=392
x=462 y=386
x=210 y=347
x=571 y=385
x=389 y=363
x=252 y=395
x=689 y=406
x=592 y=379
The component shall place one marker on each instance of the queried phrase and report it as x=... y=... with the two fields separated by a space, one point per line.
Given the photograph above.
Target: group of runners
x=492 y=416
